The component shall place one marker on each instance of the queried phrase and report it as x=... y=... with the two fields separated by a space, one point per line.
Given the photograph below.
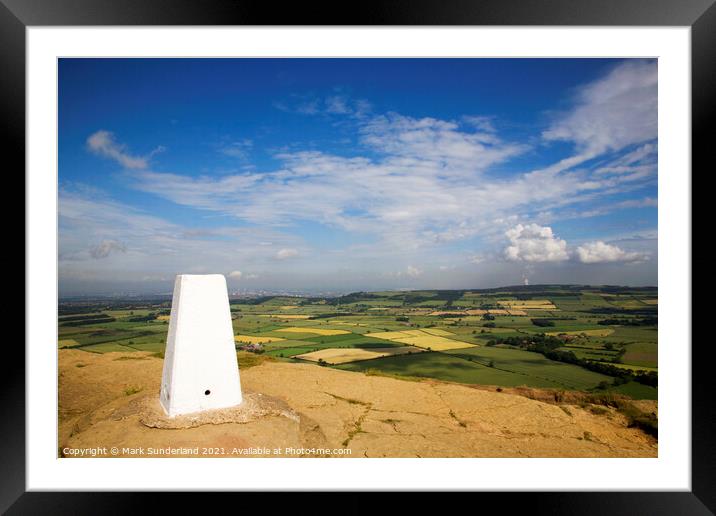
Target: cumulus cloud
x=286 y=253
x=534 y=243
x=612 y=112
x=104 y=144
x=105 y=248
x=235 y=275
x=413 y=272
x=600 y=252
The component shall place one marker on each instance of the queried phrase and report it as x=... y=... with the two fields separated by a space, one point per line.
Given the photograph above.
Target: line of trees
x=630 y=321
x=85 y=322
x=542 y=322
x=84 y=317
x=143 y=318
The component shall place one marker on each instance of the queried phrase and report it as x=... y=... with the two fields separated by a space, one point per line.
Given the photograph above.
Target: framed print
x=431 y=248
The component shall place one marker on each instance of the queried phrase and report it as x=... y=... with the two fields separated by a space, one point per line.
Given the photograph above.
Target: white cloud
x=482 y=123
x=533 y=243
x=600 y=252
x=237 y=149
x=103 y=143
x=409 y=191
x=93 y=226
x=336 y=104
x=413 y=272
x=235 y=275
x=105 y=248
x=286 y=253
x=408 y=200
x=437 y=141
x=612 y=112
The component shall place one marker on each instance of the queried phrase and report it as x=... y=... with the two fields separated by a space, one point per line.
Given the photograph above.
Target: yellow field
x=163 y=318
x=651 y=301
x=317 y=331
x=437 y=331
x=288 y=307
x=285 y=316
x=388 y=335
x=341 y=355
x=591 y=333
x=254 y=339
x=434 y=342
x=421 y=339
x=346 y=323
x=66 y=342
x=417 y=333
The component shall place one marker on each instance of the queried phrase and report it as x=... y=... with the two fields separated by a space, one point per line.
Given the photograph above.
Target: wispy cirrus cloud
x=411 y=190
x=422 y=163
x=613 y=112
x=332 y=104
x=103 y=143
x=239 y=149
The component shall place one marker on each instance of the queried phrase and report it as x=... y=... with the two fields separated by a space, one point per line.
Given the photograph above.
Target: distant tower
x=200 y=367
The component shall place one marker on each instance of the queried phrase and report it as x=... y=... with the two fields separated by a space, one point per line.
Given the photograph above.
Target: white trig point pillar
x=200 y=367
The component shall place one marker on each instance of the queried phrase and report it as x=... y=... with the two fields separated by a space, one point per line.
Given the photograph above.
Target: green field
x=602 y=338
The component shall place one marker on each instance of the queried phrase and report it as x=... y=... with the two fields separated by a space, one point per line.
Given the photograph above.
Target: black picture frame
x=700 y=15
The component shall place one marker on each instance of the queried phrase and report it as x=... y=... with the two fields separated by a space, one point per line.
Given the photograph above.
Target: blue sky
x=356 y=174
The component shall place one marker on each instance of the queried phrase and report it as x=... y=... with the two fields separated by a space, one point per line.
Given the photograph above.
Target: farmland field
x=565 y=337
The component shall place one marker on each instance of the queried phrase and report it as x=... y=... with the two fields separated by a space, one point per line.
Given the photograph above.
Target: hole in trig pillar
x=207 y=392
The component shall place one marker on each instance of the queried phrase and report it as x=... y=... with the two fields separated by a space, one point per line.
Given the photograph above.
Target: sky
x=319 y=175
